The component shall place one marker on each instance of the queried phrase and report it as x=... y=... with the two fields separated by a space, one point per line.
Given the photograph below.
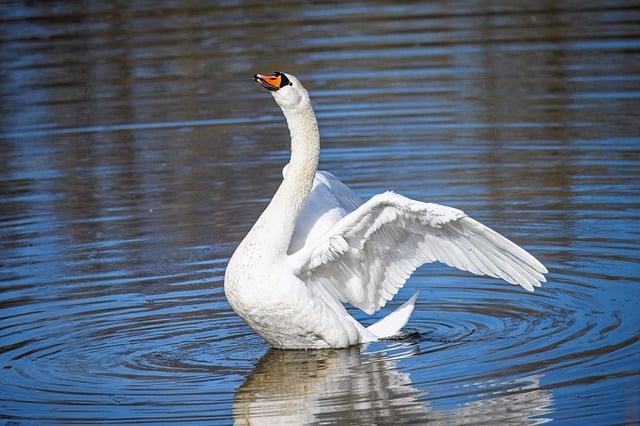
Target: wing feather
x=370 y=253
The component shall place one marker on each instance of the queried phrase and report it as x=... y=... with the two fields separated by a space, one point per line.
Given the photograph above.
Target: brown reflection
x=347 y=387
x=514 y=80
x=303 y=387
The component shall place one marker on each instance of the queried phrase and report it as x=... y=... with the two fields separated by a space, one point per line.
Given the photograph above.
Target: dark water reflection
x=135 y=153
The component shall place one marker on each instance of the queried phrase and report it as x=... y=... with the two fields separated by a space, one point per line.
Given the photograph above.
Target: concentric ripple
x=135 y=153
x=474 y=349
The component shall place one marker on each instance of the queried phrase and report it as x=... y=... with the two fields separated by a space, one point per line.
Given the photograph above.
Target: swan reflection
x=349 y=386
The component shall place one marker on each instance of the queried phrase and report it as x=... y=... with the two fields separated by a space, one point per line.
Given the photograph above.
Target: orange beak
x=269 y=82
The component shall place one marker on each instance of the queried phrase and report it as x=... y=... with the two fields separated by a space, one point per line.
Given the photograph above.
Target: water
x=136 y=152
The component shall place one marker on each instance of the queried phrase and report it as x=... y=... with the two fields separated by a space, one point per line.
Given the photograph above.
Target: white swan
x=317 y=246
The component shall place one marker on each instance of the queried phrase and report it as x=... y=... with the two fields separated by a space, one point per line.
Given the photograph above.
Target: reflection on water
x=136 y=152
x=355 y=387
x=298 y=387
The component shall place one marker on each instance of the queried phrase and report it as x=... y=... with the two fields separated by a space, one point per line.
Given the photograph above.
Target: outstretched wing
x=367 y=256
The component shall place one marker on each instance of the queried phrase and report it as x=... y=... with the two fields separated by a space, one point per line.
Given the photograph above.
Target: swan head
x=285 y=88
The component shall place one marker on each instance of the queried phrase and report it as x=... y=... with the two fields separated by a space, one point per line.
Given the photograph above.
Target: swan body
x=317 y=246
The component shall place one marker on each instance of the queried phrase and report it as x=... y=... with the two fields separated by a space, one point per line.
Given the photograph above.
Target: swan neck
x=305 y=143
x=275 y=226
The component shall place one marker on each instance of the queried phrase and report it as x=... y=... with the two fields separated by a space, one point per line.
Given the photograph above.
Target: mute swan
x=317 y=246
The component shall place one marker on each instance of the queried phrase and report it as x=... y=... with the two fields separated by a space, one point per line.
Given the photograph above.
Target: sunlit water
x=136 y=152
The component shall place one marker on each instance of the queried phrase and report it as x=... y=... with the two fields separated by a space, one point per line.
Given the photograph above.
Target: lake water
x=136 y=152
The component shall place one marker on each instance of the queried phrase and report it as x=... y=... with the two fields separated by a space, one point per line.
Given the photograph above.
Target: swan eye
x=284 y=81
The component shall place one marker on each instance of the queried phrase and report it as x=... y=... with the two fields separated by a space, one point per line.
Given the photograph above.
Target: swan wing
x=328 y=202
x=343 y=194
x=367 y=256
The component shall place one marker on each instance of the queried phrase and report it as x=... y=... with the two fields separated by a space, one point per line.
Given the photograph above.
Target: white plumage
x=317 y=246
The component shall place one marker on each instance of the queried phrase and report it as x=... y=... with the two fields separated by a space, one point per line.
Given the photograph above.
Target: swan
x=317 y=246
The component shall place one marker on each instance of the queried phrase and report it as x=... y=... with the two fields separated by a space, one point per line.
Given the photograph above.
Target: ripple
x=135 y=156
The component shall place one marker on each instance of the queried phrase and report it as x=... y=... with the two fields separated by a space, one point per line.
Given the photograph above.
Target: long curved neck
x=275 y=226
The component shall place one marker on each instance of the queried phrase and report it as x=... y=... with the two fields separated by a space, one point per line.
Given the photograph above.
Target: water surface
x=136 y=152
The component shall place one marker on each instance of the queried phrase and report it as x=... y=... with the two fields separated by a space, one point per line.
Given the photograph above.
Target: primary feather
x=371 y=252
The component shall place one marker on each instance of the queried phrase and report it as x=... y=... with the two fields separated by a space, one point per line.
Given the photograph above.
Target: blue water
x=136 y=152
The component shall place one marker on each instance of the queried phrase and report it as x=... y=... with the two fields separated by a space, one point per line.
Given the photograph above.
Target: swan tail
x=392 y=323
